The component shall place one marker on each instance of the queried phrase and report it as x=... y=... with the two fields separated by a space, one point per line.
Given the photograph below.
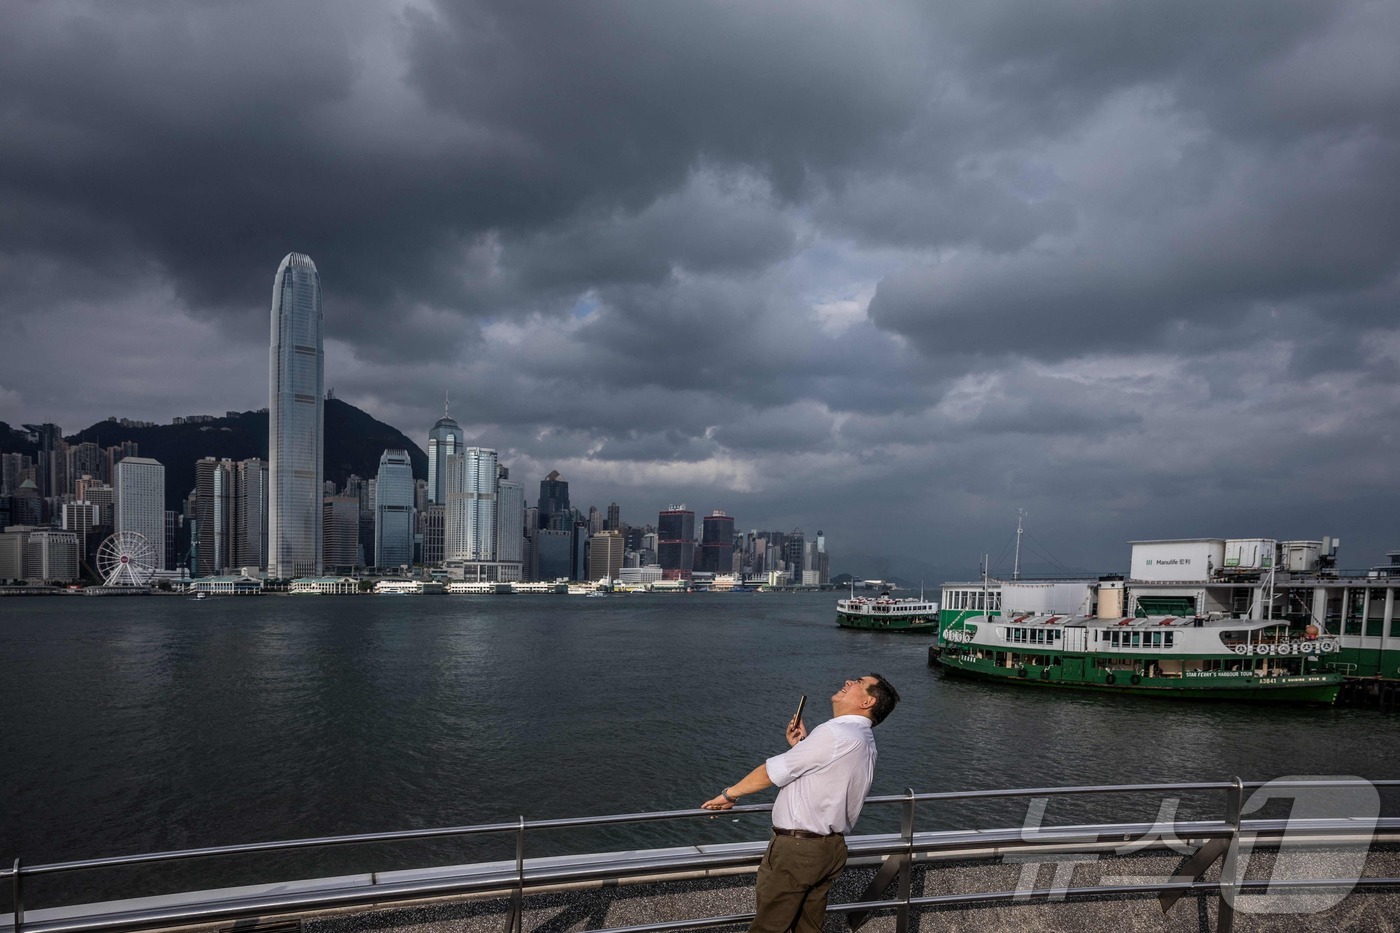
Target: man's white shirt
x=825 y=777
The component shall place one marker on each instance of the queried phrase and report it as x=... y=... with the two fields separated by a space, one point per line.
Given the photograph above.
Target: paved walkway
x=595 y=909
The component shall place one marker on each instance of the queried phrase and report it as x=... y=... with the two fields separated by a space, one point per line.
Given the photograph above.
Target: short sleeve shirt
x=825 y=777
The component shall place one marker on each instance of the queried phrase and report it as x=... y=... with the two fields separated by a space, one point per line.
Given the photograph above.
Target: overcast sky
x=892 y=271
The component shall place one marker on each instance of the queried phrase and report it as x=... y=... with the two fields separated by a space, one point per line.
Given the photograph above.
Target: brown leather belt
x=804 y=834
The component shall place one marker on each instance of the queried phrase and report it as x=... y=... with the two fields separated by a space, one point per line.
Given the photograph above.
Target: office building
x=393 y=510
x=675 y=542
x=52 y=556
x=605 y=555
x=470 y=524
x=140 y=503
x=510 y=521
x=431 y=525
x=717 y=543
x=296 y=389
x=340 y=523
x=250 y=514
x=614 y=519
x=554 y=500
x=212 y=540
x=444 y=441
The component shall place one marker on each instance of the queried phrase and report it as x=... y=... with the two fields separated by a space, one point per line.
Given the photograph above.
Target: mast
x=1016 y=566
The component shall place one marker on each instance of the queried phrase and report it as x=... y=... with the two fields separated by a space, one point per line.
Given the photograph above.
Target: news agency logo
x=1284 y=851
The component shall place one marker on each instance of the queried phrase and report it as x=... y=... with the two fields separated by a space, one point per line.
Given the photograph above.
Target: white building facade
x=140 y=503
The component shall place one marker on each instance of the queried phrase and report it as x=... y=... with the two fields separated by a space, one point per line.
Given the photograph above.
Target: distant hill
x=354 y=442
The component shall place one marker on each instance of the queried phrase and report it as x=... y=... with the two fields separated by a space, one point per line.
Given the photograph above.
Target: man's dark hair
x=886 y=696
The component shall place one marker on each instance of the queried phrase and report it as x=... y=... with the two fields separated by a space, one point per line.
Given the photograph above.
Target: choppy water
x=137 y=725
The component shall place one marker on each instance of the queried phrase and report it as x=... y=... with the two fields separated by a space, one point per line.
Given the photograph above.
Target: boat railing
x=898 y=855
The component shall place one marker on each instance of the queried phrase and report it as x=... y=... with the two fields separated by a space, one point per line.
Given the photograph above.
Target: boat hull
x=1311 y=689
x=886 y=624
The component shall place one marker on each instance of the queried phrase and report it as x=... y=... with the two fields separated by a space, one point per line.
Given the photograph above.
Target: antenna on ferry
x=1016 y=566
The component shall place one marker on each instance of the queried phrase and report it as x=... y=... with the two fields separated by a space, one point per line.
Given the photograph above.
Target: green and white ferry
x=885 y=614
x=1191 y=658
x=1290 y=591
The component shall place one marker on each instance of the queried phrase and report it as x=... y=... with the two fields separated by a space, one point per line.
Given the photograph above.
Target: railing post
x=1234 y=805
x=19 y=899
x=906 y=871
x=515 y=919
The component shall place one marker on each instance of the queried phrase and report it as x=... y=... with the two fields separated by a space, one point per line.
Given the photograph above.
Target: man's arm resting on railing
x=755 y=781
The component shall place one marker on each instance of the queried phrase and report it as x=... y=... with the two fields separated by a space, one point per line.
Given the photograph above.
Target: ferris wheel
x=126 y=559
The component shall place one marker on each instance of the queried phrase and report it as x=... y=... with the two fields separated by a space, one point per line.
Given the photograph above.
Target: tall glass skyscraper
x=470 y=532
x=444 y=440
x=296 y=389
x=393 y=510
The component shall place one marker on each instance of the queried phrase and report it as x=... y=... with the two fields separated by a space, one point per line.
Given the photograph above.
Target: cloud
x=893 y=272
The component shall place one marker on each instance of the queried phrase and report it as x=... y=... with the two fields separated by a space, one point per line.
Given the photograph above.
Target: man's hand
x=796 y=732
x=717 y=803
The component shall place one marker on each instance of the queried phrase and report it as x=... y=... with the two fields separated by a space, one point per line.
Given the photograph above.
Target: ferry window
x=1137 y=639
x=1170 y=637
x=996 y=600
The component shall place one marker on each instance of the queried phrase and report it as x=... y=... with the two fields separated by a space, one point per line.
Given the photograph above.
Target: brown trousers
x=793 y=880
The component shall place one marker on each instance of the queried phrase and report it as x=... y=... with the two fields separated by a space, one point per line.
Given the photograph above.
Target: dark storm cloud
x=1132 y=266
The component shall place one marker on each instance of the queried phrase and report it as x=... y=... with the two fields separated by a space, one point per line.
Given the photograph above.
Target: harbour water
x=160 y=723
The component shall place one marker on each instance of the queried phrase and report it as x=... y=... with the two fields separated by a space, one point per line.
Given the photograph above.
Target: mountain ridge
x=353 y=443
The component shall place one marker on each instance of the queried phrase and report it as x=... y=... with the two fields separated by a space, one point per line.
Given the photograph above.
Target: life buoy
x=1045 y=673
x=1110 y=679
x=1021 y=672
x=1135 y=679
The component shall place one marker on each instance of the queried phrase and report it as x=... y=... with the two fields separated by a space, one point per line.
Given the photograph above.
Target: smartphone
x=800 y=703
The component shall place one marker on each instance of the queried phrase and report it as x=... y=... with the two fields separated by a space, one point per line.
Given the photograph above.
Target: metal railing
x=898 y=855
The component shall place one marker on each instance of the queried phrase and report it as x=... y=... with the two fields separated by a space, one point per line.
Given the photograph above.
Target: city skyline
x=897 y=272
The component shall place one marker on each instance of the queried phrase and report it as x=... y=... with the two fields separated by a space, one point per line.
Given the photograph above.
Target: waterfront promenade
x=1329 y=860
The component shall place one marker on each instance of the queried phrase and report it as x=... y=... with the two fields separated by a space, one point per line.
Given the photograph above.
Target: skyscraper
x=510 y=521
x=444 y=440
x=214 y=516
x=717 y=543
x=554 y=497
x=470 y=523
x=250 y=514
x=675 y=542
x=296 y=384
x=140 y=506
x=393 y=510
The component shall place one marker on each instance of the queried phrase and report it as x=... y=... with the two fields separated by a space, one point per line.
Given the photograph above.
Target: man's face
x=854 y=696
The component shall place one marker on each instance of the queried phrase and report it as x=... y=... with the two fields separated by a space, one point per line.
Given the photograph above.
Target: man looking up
x=824 y=779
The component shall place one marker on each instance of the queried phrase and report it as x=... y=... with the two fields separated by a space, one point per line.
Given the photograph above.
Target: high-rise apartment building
x=140 y=505
x=296 y=384
x=14 y=469
x=444 y=441
x=393 y=510
x=85 y=459
x=675 y=542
